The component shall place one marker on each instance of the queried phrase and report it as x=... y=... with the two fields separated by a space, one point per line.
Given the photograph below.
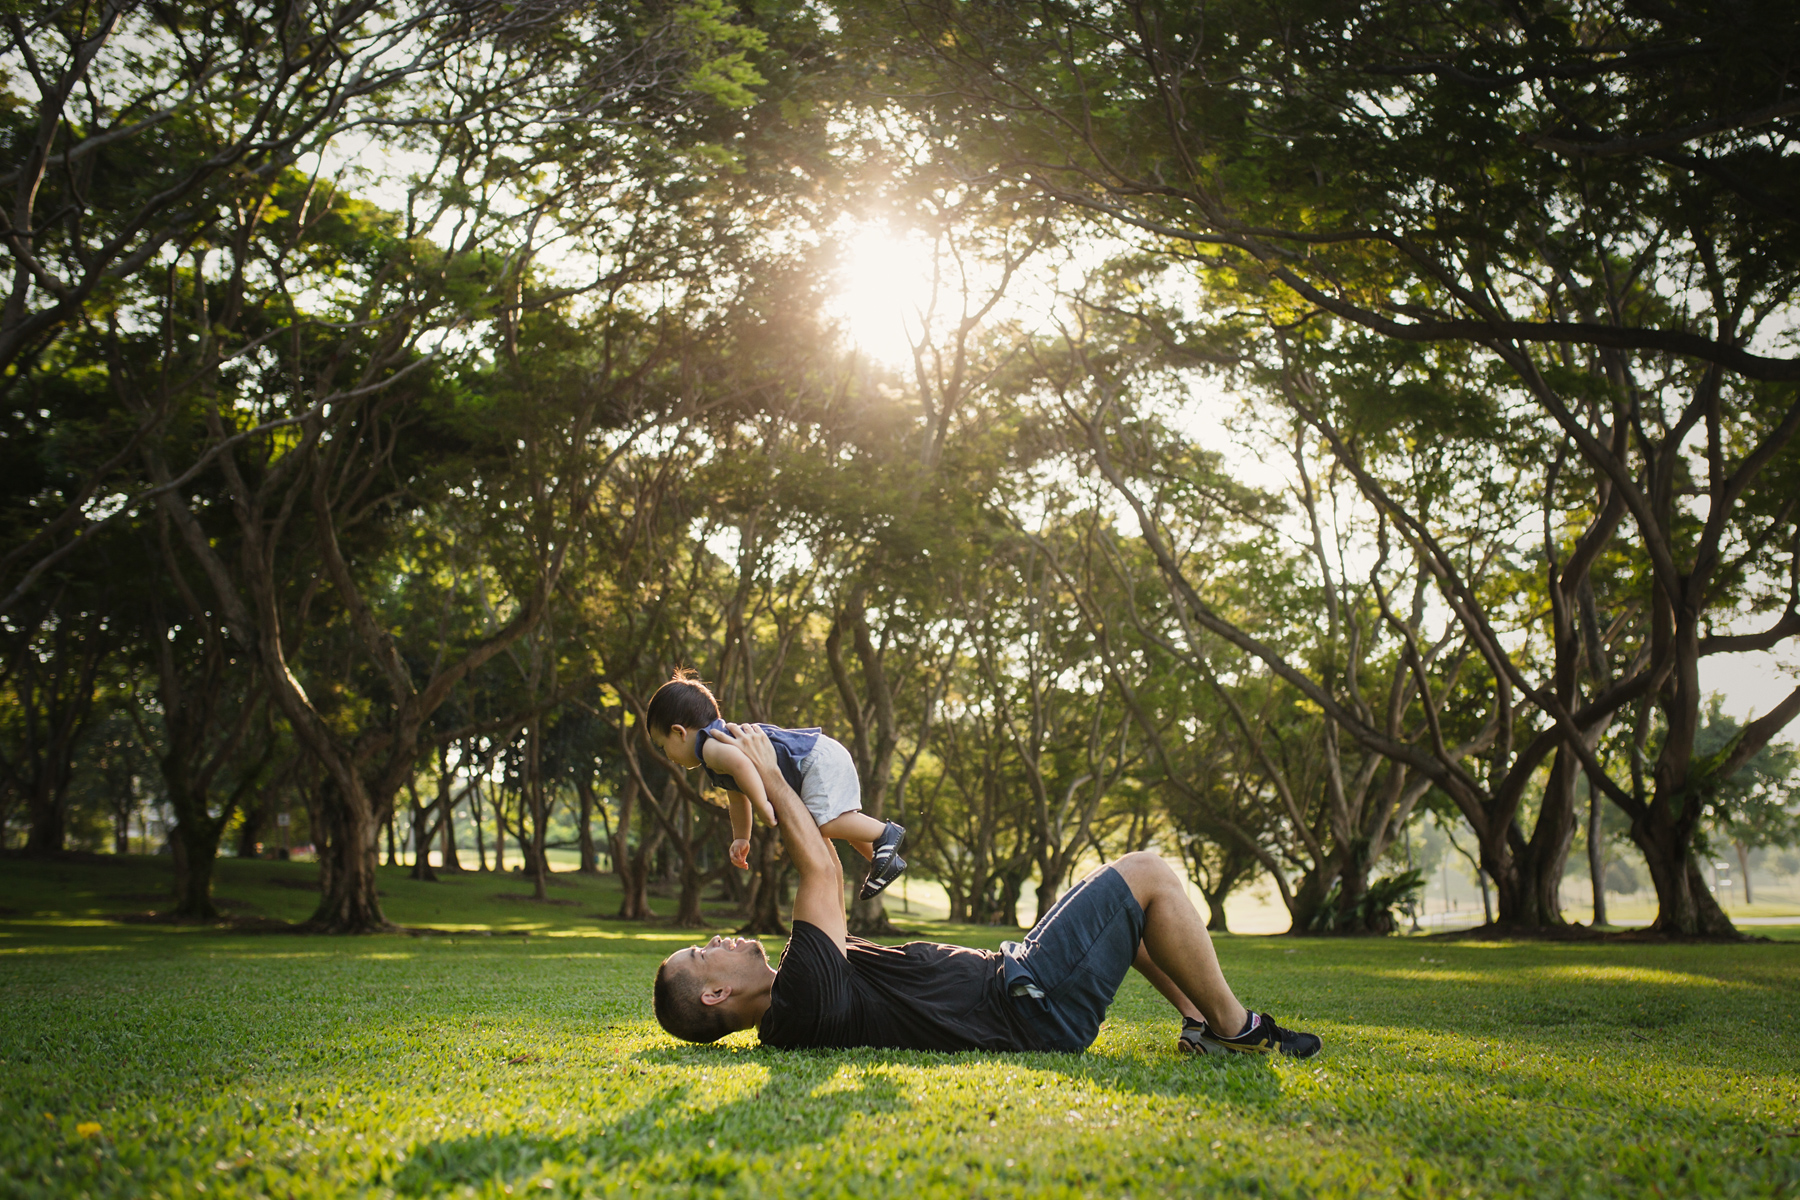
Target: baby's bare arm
x=738 y=805
x=729 y=760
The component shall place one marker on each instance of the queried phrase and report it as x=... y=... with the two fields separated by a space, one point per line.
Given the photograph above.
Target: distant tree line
x=396 y=394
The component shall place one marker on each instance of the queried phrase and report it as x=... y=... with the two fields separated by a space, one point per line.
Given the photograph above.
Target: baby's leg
x=856 y=827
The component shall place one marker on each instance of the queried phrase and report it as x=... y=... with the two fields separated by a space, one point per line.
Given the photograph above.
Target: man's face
x=737 y=963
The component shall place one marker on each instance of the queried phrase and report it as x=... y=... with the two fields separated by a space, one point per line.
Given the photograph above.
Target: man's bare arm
x=819 y=899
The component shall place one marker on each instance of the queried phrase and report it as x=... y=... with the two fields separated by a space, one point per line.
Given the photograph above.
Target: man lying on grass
x=1049 y=992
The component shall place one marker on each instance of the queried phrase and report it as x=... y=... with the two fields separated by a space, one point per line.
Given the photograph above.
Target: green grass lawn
x=223 y=1064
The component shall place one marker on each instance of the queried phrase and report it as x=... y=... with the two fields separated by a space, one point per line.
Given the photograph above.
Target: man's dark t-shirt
x=920 y=996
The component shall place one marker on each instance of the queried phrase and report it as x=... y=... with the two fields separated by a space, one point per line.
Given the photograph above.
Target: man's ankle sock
x=1250 y=1025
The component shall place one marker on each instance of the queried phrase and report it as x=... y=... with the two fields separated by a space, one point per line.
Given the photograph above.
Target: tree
x=137 y=127
x=56 y=648
x=1557 y=196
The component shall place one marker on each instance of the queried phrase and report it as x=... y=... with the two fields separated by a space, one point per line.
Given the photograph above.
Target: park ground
x=515 y=1055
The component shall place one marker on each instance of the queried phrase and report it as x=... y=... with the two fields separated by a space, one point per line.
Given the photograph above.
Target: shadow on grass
x=1247 y=1081
x=808 y=1096
x=667 y=1134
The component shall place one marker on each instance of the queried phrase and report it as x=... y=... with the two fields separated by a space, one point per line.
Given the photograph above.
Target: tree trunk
x=1547 y=854
x=1048 y=889
x=54 y=713
x=1215 y=911
x=687 y=908
x=1507 y=859
x=250 y=830
x=1309 y=897
x=320 y=820
x=475 y=819
x=621 y=848
x=693 y=884
x=959 y=906
x=872 y=748
x=590 y=856
x=447 y=855
x=534 y=798
x=1353 y=885
x=350 y=901
x=195 y=839
x=869 y=918
x=500 y=828
x=634 y=874
x=766 y=885
x=1685 y=906
x=1597 y=854
x=693 y=881
x=196 y=850
x=1006 y=900
x=423 y=831
x=1743 y=855
x=635 y=865
x=49 y=828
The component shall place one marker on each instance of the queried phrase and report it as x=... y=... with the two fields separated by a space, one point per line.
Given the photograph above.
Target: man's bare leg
x=1162 y=983
x=1176 y=945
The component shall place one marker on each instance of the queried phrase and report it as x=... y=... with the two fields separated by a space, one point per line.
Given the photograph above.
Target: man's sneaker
x=1263 y=1037
x=1193 y=1039
x=886 y=864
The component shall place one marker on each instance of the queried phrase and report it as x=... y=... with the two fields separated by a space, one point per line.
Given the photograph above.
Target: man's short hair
x=683 y=701
x=681 y=1012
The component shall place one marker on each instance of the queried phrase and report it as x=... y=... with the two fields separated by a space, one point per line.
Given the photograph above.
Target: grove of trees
x=1312 y=417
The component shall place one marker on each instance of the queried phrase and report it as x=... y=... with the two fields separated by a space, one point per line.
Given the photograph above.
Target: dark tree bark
x=633 y=865
x=590 y=856
x=423 y=821
x=499 y=799
x=476 y=820
x=1596 y=851
x=255 y=819
x=532 y=804
x=53 y=681
x=768 y=882
x=874 y=734
x=447 y=854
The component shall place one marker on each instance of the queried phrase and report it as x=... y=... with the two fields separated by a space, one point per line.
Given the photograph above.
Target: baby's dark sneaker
x=886 y=864
x=1263 y=1036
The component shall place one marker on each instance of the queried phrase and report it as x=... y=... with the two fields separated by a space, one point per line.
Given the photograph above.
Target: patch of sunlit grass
x=150 y=1061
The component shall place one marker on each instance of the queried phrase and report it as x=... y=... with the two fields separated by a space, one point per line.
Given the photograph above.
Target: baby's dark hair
x=683 y=701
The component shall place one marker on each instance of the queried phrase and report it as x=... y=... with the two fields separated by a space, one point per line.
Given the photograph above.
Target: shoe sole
x=1215 y=1046
x=872 y=887
x=1200 y=1046
x=868 y=892
x=1209 y=1045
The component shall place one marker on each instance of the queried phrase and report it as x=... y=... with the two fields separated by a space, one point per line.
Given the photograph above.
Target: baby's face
x=678 y=746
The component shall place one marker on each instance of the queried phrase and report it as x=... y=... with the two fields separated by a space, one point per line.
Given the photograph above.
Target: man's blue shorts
x=1069 y=967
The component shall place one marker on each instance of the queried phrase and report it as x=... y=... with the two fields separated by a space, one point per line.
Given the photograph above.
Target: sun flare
x=885 y=289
